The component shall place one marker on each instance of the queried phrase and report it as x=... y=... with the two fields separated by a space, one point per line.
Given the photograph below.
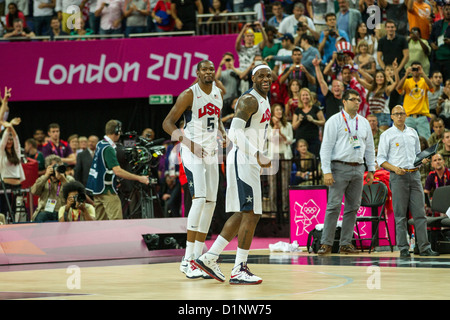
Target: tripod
x=141 y=202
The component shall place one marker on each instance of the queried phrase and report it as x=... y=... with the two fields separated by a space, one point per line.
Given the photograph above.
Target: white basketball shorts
x=202 y=174
x=243 y=183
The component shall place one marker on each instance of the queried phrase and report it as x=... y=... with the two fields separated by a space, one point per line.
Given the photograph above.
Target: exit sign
x=161 y=99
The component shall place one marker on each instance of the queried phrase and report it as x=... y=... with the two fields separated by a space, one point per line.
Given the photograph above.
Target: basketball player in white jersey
x=201 y=105
x=244 y=162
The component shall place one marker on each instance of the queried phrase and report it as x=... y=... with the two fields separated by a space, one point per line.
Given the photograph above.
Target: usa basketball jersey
x=202 y=121
x=258 y=124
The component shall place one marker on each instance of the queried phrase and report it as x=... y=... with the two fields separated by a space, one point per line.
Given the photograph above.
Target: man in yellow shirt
x=415 y=103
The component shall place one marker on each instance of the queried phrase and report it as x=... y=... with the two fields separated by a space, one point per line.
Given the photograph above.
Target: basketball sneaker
x=208 y=263
x=184 y=265
x=193 y=272
x=241 y=275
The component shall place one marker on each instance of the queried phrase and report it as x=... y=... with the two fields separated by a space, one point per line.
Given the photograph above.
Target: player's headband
x=261 y=66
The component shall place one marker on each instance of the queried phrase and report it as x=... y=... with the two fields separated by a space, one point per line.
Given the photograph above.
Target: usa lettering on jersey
x=209 y=109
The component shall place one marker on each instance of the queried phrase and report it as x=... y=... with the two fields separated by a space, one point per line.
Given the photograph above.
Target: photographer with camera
x=49 y=189
x=76 y=208
x=415 y=103
x=328 y=37
x=105 y=168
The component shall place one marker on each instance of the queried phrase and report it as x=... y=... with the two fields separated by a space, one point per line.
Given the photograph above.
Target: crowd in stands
x=316 y=49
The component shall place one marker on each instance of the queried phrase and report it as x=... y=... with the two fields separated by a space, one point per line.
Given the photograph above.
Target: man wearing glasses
x=415 y=101
x=347 y=142
x=397 y=152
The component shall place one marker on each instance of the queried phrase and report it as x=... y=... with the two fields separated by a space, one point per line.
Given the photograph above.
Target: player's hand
x=263 y=161
x=328 y=179
x=369 y=178
x=198 y=150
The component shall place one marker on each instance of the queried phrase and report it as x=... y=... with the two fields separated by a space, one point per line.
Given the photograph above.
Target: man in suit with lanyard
x=397 y=151
x=347 y=142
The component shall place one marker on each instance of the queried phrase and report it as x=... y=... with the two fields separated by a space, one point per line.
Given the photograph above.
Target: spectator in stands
x=278 y=15
x=57 y=146
x=376 y=131
x=329 y=36
x=364 y=59
x=433 y=97
x=291 y=23
x=271 y=48
x=378 y=97
x=333 y=97
x=11 y=170
x=93 y=20
x=84 y=160
x=73 y=143
x=31 y=151
x=65 y=10
x=42 y=15
x=281 y=58
x=440 y=43
x=419 y=50
x=317 y=10
x=415 y=102
x=362 y=34
x=13 y=14
x=419 y=16
x=279 y=137
x=445 y=151
x=55 y=29
x=229 y=78
x=184 y=13
x=305 y=165
x=49 y=189
x=437 y=125
x=293 y=98
x=352 y=80
x=348 y=19
x=307 y=120
x=79 y=29
x=309 y=53
x=391 y=47
x=75 y=208
x=298 y=71
x=248 y=50
x=443 y=108
x=39 y=136
x=396 y=10
x=136 y=13
x=19 y=31
x=111 y=16
x=170 y=195
x=439 y=177
x=217 y=23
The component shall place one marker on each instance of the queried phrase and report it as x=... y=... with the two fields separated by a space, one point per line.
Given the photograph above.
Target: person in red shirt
x=162 y=13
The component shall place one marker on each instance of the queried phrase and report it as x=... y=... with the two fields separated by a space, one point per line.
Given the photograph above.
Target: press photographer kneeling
x=76 y=208
x=49 y=189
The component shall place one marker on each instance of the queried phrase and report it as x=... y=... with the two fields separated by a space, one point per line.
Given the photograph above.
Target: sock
x=241 y=256
x=198 y=249
x=189 y=250
x=218 y=246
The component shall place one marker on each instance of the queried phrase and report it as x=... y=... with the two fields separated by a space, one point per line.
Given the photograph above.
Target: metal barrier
x=224 y=23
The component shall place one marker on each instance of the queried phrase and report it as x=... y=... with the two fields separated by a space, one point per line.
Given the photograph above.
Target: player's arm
x=246 y=107
x=183 y=103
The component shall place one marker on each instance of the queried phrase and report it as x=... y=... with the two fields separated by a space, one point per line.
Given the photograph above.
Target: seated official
x=49 y=189
x=76 y=208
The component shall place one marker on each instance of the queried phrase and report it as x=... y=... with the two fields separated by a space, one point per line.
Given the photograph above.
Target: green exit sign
x=161 y=99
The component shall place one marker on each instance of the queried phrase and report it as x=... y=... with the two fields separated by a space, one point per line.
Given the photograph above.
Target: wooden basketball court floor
x=286 y=276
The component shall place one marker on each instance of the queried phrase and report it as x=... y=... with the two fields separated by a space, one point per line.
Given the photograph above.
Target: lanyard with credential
x=346 y=123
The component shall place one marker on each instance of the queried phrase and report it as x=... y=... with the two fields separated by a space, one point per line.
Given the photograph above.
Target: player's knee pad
x=205 y=220
x=195 y=213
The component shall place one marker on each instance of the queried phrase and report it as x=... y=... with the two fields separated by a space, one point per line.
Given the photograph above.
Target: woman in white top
x=280 y=137
x=10 y=160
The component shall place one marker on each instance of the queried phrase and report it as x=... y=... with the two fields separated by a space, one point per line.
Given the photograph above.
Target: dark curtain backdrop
x=87 y=117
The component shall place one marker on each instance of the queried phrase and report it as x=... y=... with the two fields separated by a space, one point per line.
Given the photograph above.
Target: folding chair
x=374 y=196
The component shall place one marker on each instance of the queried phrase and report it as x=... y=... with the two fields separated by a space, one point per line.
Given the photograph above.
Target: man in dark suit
x=84 y=160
